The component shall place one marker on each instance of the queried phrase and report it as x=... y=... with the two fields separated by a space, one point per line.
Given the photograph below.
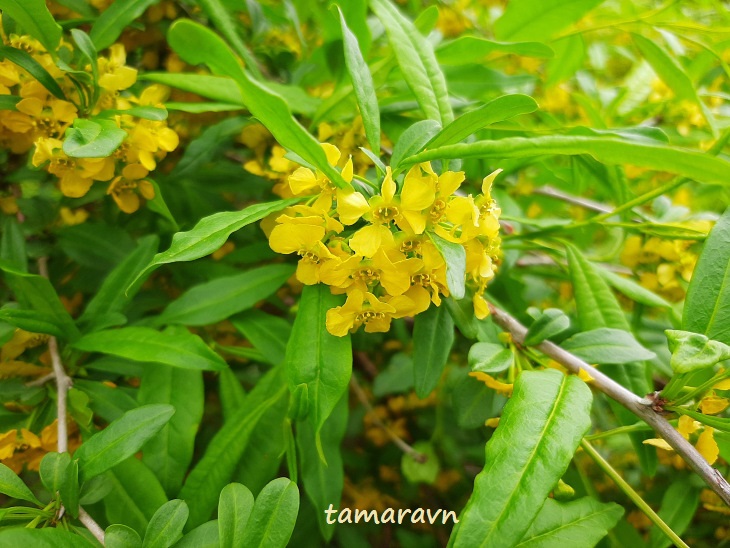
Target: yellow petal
x=348 y=171
x=722 y=385
x=332 y=152
x=388 y=188
x=660 y=443
x=127 y=201
x=303 y=180
x=687 y=426
x=488 y=180
x=491 y=382
x=290 y=238
x=712 y=405
x=707 y=446
x=369 y=239
x=75 y=186
x=351 y=206
x=492 y=423
x=417 y=195
x=449 y=182
x=481 y=308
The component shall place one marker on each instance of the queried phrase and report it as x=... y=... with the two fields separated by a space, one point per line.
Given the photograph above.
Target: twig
x=402 y=445
x=609 y=470
x=40 y=381
x=553 y=192
x=91 y=525
x=63 y=383
x=641 y=407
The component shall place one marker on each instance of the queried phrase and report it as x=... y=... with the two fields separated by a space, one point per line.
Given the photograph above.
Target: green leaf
x=166 y=526
x=211 y=232
x=33 y=321
x=597 y=306
x=12 y=486
x=35 y=19
x=466 y=50
x=540 y=429
x=490 y=357
x=70 y=490
x=12 y=244
x=496 y=110
x=170 y=452
x=551 y=322
x=474 y=402
x=707 y=306
x=315 y=358
x=52 y=470
x=175 y=346
x=197 y=45
x=412 y=140
x=421 y=472
x=135 y=497
x=218 y=88
x=204 y=148
x=570 y=52
x=606 y=346
x=234 y=508
x=121 y=439
x=679 y=504
x=93 y=138
x=51 y=537
x=108 y=402
x=214 y=470
x=695 y=165
x=221 y=298
x=37 y=293
x=110 y=24
x=87 y=48
x=670 y=72
x=274 y=515
x=146 y=112
x=268 y=334
x=203 y=536
x=634 y=291
x=117 y=291
x=455 y=257
x=527 y=20
x=8 y=102
x=262 y=457
x=692 y=351
x=121 y=536
x=417 y=62
x=579 y=523
x=721 y=423
x=362 y=83
x=323 y=483
x=433 y=337
x=224 y=22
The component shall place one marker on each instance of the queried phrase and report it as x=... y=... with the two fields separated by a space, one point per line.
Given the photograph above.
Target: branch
x=91 y=525
x=402 y=445
x=63 y=383
x=641 y=407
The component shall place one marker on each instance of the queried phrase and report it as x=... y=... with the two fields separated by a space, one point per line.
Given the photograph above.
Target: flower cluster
x=40 y=119
x=380 y=250
x=663 y=266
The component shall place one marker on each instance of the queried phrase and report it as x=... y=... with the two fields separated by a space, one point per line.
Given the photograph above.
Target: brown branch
x=395 y=438
x=641 y=407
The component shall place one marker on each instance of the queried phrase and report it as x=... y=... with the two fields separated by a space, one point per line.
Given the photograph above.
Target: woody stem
x=63 y=384
x=641 y=407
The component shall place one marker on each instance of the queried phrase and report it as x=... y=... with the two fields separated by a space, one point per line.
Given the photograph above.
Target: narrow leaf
x=433 y=336
x=35 y=19
x=110 y=24
x=695 y=165
x=274 y=515
x=12 y=486
x=234 y=508
x=121 y=439
x=541 y=427
x=607 y=346
x=166 y=526
x=175 y=346
x=455 y=257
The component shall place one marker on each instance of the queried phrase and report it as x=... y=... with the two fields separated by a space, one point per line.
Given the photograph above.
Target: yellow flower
x=712 y=405
x=360 y=308
x=76 y=174
x=126 y=189
x=306 y=241
x=114 y=74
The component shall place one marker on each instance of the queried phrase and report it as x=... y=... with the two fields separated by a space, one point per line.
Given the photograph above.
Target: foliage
x=255 y=256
